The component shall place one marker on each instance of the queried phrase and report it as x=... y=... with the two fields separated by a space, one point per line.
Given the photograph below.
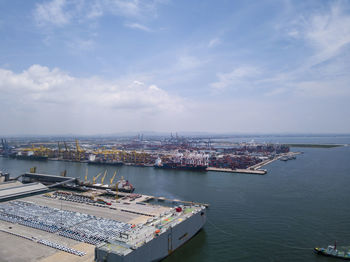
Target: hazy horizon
x=131 y=134
x=105 y=67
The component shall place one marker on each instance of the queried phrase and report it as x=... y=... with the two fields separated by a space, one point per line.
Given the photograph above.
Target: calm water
x=277 y=217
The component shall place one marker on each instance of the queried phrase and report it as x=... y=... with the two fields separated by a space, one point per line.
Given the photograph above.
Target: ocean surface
x=281 y=216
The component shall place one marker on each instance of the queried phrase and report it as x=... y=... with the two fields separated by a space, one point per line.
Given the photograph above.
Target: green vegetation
x=313 y=145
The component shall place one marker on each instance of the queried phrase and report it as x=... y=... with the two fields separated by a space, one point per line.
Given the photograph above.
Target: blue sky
x=109 y=66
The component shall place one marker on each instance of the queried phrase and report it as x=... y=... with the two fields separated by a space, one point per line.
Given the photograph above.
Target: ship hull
x=322 y=252
x=161 y=246
x=33 y=158
x=186 y=168
x=105 y=163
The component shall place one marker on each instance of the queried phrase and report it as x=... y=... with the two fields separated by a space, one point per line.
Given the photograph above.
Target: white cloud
x=62 y=12
x=186 y=62
x=214 y=42
x=52 y=13
x=293 y=33
x=126 y=8
x=323 y=70
x=78 y=45
x=33 y=80
x=139 y=83
x=95 y=10
x=38 y=85
x=326 y=32
x=314 y=89
x=236 y=76
x=138 y=26
x=276 y=91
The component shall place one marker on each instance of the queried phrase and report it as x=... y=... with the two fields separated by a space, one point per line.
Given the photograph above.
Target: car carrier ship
x=52 y=224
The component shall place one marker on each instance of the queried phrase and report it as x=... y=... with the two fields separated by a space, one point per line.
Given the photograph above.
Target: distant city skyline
x=107 y=67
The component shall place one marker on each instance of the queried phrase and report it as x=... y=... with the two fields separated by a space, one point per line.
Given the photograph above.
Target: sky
x=109 y=66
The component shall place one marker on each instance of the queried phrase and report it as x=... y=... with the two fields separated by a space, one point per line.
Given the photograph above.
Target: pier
x=243 y=171
x=255 y=169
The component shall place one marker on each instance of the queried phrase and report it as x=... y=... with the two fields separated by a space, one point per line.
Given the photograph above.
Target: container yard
x=167 y=153
x=94 y=225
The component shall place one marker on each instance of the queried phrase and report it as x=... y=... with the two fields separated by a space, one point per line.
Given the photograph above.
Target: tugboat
x=332 y=251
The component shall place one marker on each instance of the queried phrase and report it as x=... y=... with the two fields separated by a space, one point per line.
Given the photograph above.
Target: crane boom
x=77 y=145
x=77 y=157
x=104 y=176
x=95 y=177
x=111 y=180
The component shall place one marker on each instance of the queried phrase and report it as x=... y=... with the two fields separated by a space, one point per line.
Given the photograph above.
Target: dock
x=255 y=169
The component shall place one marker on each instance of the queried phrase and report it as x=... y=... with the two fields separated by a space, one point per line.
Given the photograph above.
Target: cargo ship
x=181 y=165
x=187 y=167
x=105 y=162
x=20 y=156
x=93 y=160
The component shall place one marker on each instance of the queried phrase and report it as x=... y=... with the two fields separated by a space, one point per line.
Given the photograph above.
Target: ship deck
x=19 y=242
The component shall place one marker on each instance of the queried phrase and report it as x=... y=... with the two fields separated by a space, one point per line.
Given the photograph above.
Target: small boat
x=332 y=251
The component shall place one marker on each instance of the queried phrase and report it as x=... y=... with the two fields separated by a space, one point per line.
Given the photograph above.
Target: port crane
x=67 y=151
x=111 y=180
x=59 y=149
x=96 y=177
x=79 y=150
x=86 y=174
x=104 y=176
x=6 y=150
